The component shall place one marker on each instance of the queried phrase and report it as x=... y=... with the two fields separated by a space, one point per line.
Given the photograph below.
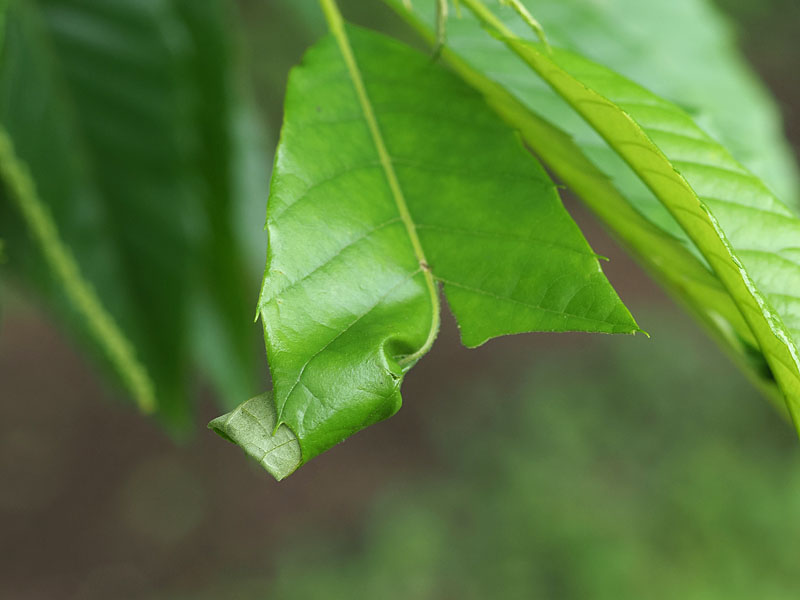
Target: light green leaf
x=582 y=159
x=700 y=70
x=253 y=427
x=392 y=176
x=748 y=236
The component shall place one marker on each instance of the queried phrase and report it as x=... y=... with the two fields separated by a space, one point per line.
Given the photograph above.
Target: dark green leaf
x=99 y=324
x=223 y=336
x=130 y=139
x=44 y=158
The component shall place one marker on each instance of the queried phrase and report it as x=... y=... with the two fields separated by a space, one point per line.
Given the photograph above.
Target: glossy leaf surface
x=392 y=177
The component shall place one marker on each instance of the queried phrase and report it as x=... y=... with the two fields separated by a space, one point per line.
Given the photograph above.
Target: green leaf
x=638 y=40
x=44 y=176
x=100 y=324
x=223 y=338
x=746 y=234
x=130 y=143
x=253 y=427
x=582 y=159
x=721 y=91
x=392 y=176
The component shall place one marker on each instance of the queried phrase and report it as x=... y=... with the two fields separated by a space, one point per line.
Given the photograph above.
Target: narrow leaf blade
x=131 y=143
x=708 y=193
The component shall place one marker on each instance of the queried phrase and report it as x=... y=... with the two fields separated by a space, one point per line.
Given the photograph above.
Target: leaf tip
x=252 y=427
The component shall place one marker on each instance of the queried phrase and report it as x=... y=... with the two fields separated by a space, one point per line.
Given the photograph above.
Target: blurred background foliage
x=553 y=466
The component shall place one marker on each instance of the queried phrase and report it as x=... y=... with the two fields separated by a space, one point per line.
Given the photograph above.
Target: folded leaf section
x=392 y=175
x=251 y=425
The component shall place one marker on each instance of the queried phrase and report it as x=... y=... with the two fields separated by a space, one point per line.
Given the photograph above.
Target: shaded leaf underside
x=253 y=427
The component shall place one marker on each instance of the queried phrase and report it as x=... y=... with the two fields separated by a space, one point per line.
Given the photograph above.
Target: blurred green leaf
x=124 y=114
x=99 y=324
x=223 y=336
x=413 y=182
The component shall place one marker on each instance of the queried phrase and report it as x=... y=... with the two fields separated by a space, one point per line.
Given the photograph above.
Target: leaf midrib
x=336 y=25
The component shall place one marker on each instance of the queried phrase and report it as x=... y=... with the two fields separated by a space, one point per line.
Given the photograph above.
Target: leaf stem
x=526 y=16
x=336 y=26
x=65 y=268
x=441 y=26
x=488 y=17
